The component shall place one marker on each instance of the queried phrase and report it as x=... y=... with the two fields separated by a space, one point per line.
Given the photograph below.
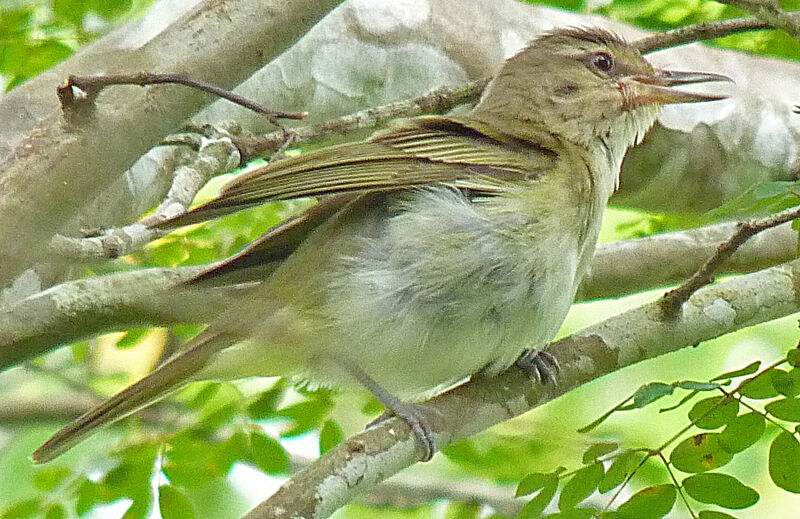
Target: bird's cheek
x=630 y=100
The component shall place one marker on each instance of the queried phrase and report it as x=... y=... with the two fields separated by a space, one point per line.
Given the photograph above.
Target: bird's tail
x=166 y=379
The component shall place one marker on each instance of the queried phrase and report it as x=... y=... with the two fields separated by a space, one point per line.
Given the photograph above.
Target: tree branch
x=639 y=334
x=698 y=32
x=437 y=101
x=56 y=160
x=78 y=309
x=674 y=299
x=770 y=12
x=630 y=266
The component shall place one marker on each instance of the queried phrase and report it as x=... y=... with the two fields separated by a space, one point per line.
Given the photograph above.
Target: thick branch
x=672 y=300
x=84 y=308
x=625 y=267
x=639 y=334
x=73 y=163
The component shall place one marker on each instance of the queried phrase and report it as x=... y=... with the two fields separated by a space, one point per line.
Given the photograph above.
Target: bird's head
x=584 y=84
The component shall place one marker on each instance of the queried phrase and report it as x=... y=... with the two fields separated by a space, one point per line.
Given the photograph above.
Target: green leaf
x=784 y=462
x=266 y=404
x=649 y=393
x=581 y=485
x=786 y=409
x=742 y=432
x=192 y=461
x=599 y=449
x=49 y=478
x=682 y=401
x=90 y=494
x=793 y=355
x=306 y=415
x=536 y=506
x=132 y=338
x=534 y=482
x=720 y=489
x=140 y=507
x=185 y=332
x=23 y=509
x=71 y=10
x=700 y=453
x=747 y=370
x=714 y=412
x=618 y=471
x=759 y=388
x=269 y=454
x=55 y=511
x=222 y=407
x=131 y=478
x=713 y=514
x=764 y=197
x=330 y=436
x=575 y=513
x=786 y=383
x=649 y=503
x=111 y=9
x=173 y=504
x=698 y=386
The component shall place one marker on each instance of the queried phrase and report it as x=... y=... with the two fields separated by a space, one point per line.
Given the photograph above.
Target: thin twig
x=436 y=101
x=673 y=300
x=771 y=13
x=214 y=158
x=90 y=86
x=700 y=31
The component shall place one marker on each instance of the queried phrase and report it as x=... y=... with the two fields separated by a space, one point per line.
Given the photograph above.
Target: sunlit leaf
x=599 y=449
x=700 y=453
x=535 y=482
x=330 y=435
x=747 y=370
x=742 y=432
x=622 y=466
x=714 y=412
x=786 y=409
x=269 y=454
x=581 y=485
x=649 y=393
x=784 y=462
x=720 y=489
x=649 y=503
x=173 y=504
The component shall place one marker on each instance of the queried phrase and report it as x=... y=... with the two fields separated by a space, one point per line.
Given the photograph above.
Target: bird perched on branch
x=441 y=247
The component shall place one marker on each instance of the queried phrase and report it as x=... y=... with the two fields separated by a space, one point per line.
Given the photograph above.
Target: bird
x=440 y=247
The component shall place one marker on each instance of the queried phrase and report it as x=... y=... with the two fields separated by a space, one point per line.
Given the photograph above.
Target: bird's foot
x=417 y=418
x=541 y=366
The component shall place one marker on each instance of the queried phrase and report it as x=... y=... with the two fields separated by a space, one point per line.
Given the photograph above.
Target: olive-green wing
x=418 y=152
x=276 y=244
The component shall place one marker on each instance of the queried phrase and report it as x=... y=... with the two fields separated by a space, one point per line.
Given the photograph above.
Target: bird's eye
x=603 y=62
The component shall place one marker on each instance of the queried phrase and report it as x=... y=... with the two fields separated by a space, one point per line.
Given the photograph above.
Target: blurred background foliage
x=213 y=450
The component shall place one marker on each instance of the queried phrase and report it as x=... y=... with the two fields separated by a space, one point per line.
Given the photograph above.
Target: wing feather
x=417 y=152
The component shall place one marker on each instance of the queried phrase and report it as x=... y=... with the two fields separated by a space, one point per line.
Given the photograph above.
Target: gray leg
x=413 y=414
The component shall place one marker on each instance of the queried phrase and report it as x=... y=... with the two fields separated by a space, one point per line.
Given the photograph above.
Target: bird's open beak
x=655 y=89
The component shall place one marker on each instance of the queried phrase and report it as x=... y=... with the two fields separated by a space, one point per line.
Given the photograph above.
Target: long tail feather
x=166 y=379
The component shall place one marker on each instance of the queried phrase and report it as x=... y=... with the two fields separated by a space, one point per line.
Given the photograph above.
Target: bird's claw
x=416 y=416
x=541 y=366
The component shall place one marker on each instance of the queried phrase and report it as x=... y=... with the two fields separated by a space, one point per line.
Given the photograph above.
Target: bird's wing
x=277 y=243
x=417 y=152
